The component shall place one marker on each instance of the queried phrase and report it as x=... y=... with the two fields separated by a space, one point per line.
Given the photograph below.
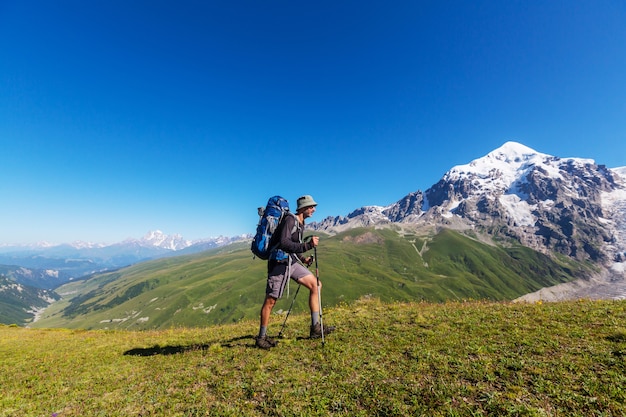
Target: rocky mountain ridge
x=571 y=206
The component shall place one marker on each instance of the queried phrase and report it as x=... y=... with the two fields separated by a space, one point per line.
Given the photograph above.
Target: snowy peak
x=502 y=167
x=514 y=148
x=497 y=171
x=158 y=239
x=510 y=156
x=161 y=240
x=78 y=244
x=507 y=169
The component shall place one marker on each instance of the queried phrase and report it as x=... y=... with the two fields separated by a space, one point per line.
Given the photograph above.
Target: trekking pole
x=280 y=334
x=319 y=293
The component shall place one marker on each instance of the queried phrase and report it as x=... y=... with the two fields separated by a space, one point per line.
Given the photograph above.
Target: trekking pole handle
x=310 y=238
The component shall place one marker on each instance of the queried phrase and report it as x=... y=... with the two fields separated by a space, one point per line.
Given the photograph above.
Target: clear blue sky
x=120 y=117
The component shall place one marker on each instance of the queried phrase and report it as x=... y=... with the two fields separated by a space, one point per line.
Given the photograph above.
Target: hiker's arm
x=313 y=242
x=308 y=260
x=286 y=242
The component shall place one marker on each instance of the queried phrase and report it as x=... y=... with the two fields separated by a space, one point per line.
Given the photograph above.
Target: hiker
x=288 y=238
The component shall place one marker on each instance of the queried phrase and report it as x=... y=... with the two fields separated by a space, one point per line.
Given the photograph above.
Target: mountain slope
x=19 y=303
x=227 y=285
x=34 y=277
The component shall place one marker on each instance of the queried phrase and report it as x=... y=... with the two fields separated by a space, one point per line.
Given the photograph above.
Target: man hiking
x=288 y=238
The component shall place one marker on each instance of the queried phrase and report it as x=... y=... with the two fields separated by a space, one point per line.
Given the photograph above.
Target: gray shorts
x=280 y=274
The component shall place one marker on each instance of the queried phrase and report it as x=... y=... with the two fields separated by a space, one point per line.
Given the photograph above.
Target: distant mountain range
x=48 y=266
x=570 y=208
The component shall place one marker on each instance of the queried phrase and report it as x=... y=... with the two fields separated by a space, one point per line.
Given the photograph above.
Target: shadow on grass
x=173 y=350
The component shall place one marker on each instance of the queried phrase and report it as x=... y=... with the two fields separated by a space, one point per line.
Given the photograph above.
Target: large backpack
x=276 y=209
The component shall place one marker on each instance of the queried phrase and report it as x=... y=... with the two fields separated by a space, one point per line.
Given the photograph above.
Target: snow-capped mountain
x=84 y=245
x=158 y=239
x=568 y=205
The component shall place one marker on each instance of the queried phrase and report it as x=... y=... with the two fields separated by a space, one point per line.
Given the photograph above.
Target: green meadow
x=471 y=358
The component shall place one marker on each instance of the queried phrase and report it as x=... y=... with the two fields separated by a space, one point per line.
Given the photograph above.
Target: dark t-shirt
x=289 y=239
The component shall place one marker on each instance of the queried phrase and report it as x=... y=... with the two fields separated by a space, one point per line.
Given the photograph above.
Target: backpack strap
x=296 y=224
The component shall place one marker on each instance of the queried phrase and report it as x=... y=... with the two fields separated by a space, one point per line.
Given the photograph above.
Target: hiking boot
x=265 y=342
x=316 y=331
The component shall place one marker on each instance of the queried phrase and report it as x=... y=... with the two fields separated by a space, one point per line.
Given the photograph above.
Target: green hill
x=398 y=359
x=227 y=285
x=18 y=301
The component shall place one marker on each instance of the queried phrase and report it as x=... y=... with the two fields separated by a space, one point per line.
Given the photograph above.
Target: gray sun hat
x=306 y=201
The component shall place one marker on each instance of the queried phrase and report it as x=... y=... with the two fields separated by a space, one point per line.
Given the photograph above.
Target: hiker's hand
x=315 y=240
x=309 y=261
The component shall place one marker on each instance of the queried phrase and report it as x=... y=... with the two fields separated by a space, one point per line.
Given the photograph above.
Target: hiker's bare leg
x=310 y=282
x=266 y=310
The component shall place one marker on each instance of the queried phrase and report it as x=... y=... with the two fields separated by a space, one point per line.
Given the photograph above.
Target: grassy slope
x=451 y=359
x=16 y=305
x=227 y=285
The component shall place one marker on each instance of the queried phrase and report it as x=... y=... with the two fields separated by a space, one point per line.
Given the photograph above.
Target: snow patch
x=614 y=208
x=621 y=171
x=519 y=210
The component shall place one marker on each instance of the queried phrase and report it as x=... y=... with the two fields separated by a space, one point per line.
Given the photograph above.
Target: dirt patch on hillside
x=364 y=239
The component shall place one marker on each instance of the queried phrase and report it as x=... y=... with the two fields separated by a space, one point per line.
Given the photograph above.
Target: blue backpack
x=276 y=209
